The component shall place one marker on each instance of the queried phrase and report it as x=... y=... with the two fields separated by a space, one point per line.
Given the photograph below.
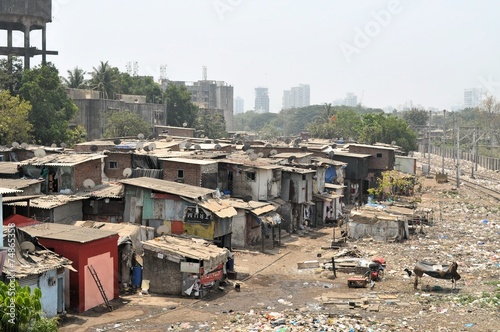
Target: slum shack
x=378 y=223
x=178 y=265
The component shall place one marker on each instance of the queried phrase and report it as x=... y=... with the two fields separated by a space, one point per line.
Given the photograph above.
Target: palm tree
x=326 y=115
x=104 y=79
x=76 y=79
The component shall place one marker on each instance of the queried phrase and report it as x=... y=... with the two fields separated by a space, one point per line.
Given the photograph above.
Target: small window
x=113 y=164
x=303 y=177
x=379 y=155
x=180 y=173
x=250 y=176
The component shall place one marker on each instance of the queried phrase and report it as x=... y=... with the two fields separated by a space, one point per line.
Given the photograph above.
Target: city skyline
x=388 y=52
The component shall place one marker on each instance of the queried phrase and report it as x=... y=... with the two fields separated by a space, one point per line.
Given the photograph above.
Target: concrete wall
x=382 y=159
x=88 y=170
x=49 y=292
x=92 y=115
x=69 y=212
x=165 y=276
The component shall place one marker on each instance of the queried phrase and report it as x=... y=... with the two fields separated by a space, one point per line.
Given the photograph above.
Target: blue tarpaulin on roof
x=330 y=174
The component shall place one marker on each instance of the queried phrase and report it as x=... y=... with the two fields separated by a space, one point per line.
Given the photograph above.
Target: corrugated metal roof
x=179 y=248
x=221 y=208
x=18 y=183
x=191 y=161
x=9 y=199
x=67 y=232
x=327 y=161
x=8 y=167
x=263 y=163
x=381 y=147
x=292 y=154
x=327 y=196
x=9 y=191
x=108 y=190
x=169 y=187
x=298 y=170
x=62 y=159
x=49 y=201
x=28 y=263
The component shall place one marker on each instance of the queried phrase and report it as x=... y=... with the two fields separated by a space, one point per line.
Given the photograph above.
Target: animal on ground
x=436 y=271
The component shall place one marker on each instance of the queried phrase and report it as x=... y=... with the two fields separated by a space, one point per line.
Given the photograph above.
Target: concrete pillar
x=26 y=46
x=9 y=45
x=44 y=45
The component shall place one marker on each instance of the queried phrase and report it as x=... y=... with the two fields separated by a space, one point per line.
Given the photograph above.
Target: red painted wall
x=79 y=254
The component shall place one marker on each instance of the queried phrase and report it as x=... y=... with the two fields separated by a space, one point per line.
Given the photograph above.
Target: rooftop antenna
x=136 y=68
x=204 y=73
x=163 y=72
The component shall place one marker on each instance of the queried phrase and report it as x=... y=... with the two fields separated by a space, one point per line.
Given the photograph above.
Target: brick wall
x=192 y=172
x=123 y=160
x=87 y=170
x=385 y=160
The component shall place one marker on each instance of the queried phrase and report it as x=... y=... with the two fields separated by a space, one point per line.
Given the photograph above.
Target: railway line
x=481 y=189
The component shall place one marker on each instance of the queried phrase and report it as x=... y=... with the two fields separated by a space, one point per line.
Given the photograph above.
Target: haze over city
x=387 y=53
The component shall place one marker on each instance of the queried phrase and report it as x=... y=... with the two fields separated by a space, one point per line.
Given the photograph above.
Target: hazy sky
x=386 y=52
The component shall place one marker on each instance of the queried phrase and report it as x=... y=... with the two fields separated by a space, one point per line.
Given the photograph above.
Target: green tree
x=211 y=125
x=76 y=79
x=105 y=79
x=140 y=85
x=21 y=309
x=14 y=122
x=180 y=109
x=346 y=124
x=52 y=108
x=125 y=123
x=416 y=118
x=270 y=131
x=11 y=75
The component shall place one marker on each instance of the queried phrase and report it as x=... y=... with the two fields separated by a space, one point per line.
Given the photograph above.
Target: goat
x=436 y=271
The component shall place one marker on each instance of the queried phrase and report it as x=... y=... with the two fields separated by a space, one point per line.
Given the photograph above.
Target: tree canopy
x=11 y=76
x=52 y=108
x=180 y=109
x=76 y=79
x=125 y=123
x=14 y=122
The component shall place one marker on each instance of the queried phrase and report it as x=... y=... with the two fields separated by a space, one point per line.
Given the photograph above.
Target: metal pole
x=429 y=145
x=444 y=141
x=458 y=156
x=473 y=151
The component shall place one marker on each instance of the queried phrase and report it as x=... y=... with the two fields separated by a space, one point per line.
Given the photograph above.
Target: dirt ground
x=276 y=295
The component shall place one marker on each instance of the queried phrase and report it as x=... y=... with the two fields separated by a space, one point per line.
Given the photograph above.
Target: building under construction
x=24 y=16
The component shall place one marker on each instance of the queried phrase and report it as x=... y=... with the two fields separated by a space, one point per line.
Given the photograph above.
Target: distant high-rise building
x=211 y=97
x=296 y=97
x=261 y=100
x=473 y=97
x=351 y=99
x=239 y=105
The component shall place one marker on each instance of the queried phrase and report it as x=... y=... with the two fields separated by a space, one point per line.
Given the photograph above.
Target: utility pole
x=429 y=144
x=458 y=156
x=443 y=142
x=473 y=151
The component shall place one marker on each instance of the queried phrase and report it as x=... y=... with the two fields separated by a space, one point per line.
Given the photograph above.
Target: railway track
x=481 y=189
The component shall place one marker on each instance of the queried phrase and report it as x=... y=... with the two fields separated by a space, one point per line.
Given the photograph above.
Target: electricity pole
x=429 y=145
x=458 y=156
x=443 y=142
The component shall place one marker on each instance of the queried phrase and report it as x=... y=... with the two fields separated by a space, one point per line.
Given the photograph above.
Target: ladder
x=99 y=286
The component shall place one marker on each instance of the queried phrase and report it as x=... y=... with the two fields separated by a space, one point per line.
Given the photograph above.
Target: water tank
x=136 y=276
x=38 y=12
x=425 y=168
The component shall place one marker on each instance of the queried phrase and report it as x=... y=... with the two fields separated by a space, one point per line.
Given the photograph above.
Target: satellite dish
x=334 y=145
x=197 y=147
x=393 y=143
x=252 y=157
x=152 y=146
x=202 y=135
x=89 y=183
x=246 y=147
x=117 y=141
x=53 y=145
x=182 y=145
x=27 y=246
x=140 y=136
x=139 y=145
x=64 y=145
x=331 y=154
x=217 y=146
x=127 y=172
x=24 y=145
x=239 y=142
x=15 y=145
x=291 y=158
x=298 y=140
x=250 y=151
x=273 y=152
x=260 y=154
x=39 y=153
x=269 y=145
x=188 y=145
x=303 y=148
x=94 y=148
x=247 y=199
x=163 y=229
x=216 y=141
x=287 y=141
x=146 y=148
x=184 y=124
x=169 y=138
